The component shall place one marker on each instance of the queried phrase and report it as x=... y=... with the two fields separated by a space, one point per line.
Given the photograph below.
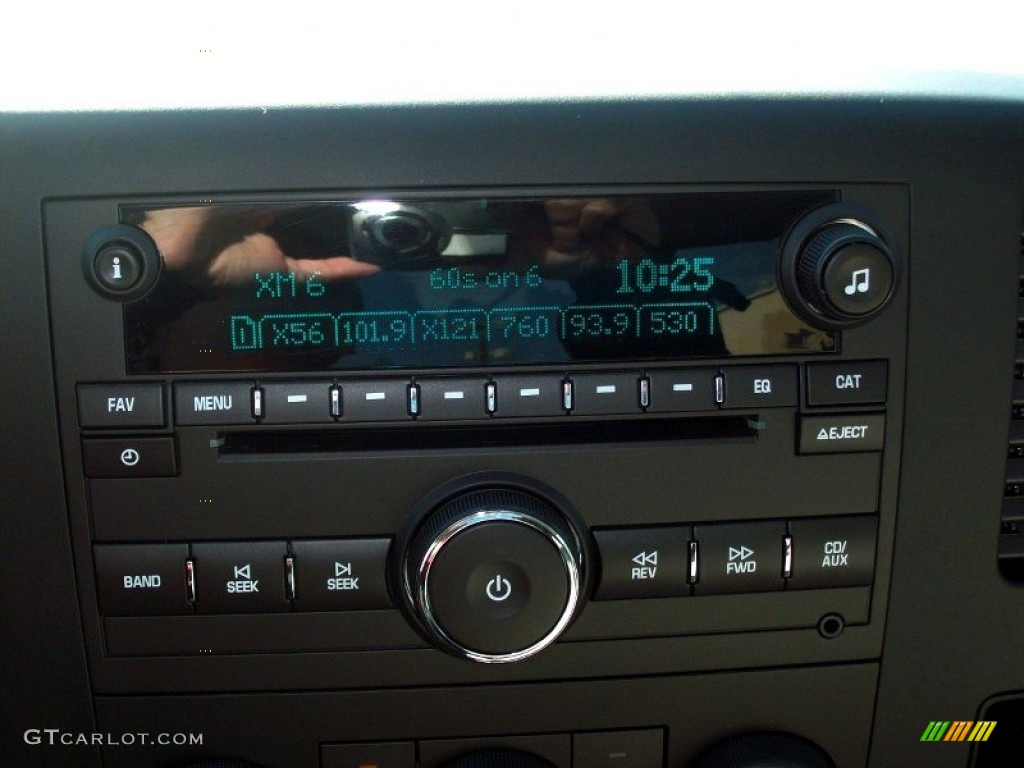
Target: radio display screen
x=373 y=284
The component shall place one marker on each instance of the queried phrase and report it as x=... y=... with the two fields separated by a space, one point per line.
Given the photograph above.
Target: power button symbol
x=499 y=589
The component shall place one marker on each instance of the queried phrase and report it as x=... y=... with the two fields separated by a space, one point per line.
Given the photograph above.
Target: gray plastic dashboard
x=934 y=636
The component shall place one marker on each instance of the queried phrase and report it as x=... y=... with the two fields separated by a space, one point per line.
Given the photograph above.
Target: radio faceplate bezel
x=639 y=484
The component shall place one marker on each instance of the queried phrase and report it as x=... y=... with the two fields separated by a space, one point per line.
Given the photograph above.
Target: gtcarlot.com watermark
x=54 y=736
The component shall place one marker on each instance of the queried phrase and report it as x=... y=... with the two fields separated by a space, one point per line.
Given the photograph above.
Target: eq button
x=760 y=386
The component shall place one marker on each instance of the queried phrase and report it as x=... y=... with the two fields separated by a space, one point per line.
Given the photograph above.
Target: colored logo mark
x=958 y=730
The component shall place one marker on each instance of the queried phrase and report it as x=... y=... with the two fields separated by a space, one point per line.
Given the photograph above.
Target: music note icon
x=859 y=282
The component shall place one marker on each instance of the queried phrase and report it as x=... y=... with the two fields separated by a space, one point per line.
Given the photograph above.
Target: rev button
x=643 y=562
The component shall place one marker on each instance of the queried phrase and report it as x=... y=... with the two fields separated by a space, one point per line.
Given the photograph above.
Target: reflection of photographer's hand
x=216 y=249
x=586 y=235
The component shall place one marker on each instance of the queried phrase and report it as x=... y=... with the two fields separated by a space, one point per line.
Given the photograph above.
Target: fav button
x=121 y=405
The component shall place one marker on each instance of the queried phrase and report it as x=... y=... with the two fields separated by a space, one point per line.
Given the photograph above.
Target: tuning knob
x=838 y=271
x=494 y=574
x=765 y=750
x=499 y=758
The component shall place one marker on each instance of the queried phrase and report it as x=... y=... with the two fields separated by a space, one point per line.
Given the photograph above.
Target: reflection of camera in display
x=400 y=236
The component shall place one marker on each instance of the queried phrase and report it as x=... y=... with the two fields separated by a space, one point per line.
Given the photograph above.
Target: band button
x=141 y=579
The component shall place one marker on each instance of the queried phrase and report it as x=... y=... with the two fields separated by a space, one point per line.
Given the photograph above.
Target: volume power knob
x=494 y=575
x=845 y=274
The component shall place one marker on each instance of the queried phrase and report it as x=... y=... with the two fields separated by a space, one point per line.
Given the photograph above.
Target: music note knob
x=845 y=273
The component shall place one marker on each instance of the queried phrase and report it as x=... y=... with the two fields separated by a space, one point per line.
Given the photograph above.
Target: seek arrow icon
x=741 y=553
x=646 y=558
x=342 y=569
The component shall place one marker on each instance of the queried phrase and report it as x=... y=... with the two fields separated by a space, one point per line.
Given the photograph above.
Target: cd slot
x=497 y=436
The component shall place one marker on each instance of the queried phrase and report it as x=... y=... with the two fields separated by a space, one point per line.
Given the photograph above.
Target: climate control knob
x=494 y=574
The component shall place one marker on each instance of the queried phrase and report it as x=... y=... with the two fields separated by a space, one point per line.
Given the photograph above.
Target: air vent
x=1011 y=534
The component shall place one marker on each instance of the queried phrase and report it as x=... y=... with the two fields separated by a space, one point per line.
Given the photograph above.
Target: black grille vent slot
x=1011 y=534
